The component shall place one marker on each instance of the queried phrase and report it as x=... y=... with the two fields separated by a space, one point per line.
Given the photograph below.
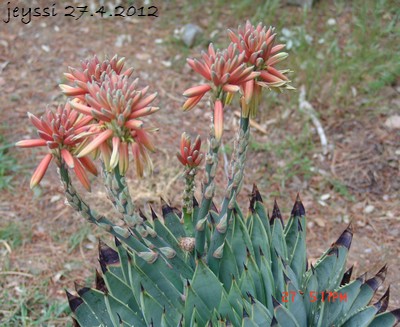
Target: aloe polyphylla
x=211 y=264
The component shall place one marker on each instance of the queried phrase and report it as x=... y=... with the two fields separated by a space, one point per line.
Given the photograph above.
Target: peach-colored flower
x=225 y=70
x=190 y=155
x=91 y=71
x=62 y=131
x=258 y=45
x=227 y=73
x=118 y=106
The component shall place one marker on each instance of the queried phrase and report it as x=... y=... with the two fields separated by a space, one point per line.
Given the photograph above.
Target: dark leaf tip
x=384 y=301
x=153 y=213
x=276 y=214
x=346 y=276
x=346 y=238
x=378 y=279
x=275 y=303
x=107 y=255
x=166 y=209
x=298 y=208
x=74 y=301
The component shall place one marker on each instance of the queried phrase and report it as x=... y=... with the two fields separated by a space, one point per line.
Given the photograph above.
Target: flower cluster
x=259 y=49
x=92 y=70
x=117 y=105
x=190 y=155
x=246 y=65
x=61 y=132
x=103 y=116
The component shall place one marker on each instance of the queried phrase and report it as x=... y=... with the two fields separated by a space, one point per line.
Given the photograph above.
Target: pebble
x=325 y=197
x=190 y=33
x=393 y=122
x=369 y=208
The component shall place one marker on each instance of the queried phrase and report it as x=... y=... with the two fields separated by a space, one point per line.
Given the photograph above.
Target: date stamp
x=326 y=296
x=27 y=14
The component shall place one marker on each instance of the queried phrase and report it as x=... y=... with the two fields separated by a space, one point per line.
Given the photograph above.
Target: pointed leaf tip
x=346 y=238
x=100 y=284
x=142 y=215
x=378 y=279
x=254 y=197
x=276 y=214
x=298 y=208
x=347 y=276
x=275 y=303
x=74 y=301
x=153 y=213
x=165 y=207
x=384 y=301
x=107 y=256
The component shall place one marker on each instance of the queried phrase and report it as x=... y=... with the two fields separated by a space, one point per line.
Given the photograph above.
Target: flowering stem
x=208 y=191
x=188 y=201
x=118 y=193
x=76 y=202
x=234 y=185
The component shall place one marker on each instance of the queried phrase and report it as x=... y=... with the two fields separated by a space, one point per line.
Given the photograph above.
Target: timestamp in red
x=313 y=296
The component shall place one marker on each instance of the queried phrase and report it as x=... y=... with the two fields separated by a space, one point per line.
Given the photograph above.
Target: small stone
x=331 y=22
x=369 y=208
x=45 y=48
x=166 y=63
x=325 y=197
x=190 y=34
x=393 y=122
x=55 y=198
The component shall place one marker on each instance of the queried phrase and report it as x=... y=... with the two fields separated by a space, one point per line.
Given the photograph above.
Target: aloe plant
x=210 y=264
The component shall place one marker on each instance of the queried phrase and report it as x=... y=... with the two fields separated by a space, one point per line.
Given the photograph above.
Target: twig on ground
x=307 y=108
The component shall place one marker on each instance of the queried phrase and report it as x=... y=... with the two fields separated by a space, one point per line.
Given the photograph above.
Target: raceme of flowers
x=246 y=66
x=60 y=131
x=190 y=155
x=104 y=116
x=117 y=106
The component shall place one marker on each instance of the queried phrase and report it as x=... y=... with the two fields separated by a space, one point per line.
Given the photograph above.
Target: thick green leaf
x=284 y=316
x=387 y=319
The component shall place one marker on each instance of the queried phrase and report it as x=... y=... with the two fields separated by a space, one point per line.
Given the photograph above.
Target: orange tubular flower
x=190 y=155
x=118 y=106
x=63 y=133
x=91 y=71
x=260 y=51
